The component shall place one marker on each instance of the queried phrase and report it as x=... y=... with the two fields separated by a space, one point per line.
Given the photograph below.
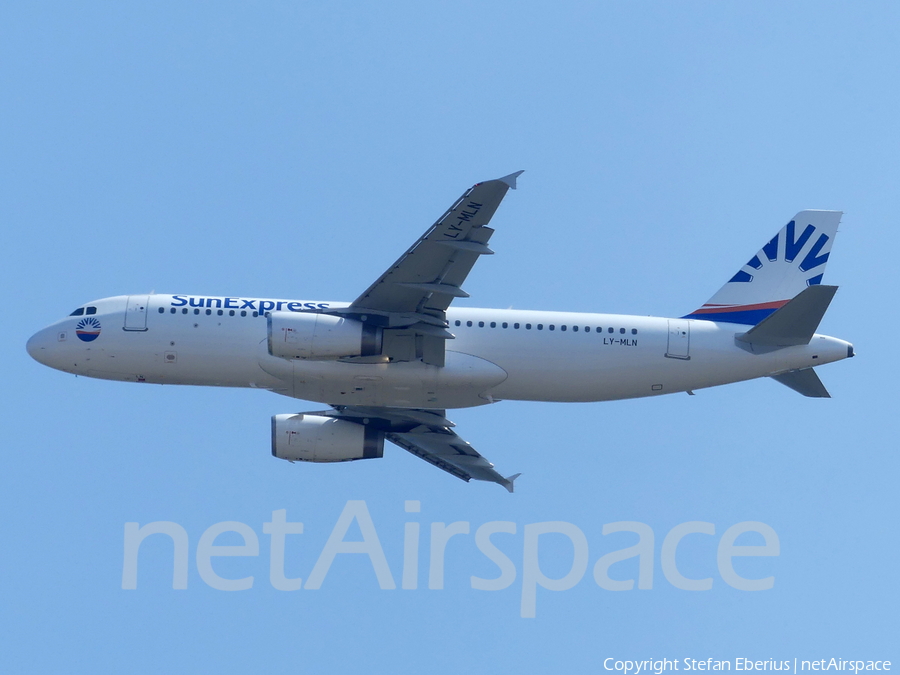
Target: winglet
x=509 y=481
x=511 y=181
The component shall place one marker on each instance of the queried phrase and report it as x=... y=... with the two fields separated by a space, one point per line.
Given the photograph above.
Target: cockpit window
x=91 y=310
x=77 y=312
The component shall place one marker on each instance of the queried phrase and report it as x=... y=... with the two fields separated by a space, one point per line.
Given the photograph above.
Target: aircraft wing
x=410 y=299
x=429 y=435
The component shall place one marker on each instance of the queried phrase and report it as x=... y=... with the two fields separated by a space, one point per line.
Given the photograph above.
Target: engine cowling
x=306 y=437
x=295 y=335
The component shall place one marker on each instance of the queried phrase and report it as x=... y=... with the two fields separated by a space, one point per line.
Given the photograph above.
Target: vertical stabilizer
x=793 y=260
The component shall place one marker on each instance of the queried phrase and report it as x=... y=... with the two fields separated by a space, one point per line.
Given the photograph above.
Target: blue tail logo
x=792 y=260
x=792 y=246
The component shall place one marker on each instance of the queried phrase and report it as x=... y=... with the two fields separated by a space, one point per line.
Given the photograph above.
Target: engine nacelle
x=295 y=335
x=306 y=437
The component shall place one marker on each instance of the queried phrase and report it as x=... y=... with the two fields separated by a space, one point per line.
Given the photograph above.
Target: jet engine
x=294 y=335
x=306 y=437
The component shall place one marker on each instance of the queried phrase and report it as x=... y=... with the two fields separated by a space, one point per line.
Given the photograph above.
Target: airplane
x=393 y=361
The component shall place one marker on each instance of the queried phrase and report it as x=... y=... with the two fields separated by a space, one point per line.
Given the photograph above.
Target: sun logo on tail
x=88 y=329
x=791 y=249
x=791 y=261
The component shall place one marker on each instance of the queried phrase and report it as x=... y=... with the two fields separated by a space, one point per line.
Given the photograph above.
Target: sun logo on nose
x=87 y=329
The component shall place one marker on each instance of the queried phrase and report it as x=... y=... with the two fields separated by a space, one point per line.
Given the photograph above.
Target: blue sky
x=295 y=150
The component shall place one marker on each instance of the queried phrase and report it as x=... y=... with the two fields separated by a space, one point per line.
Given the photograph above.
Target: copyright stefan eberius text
x=794 y=665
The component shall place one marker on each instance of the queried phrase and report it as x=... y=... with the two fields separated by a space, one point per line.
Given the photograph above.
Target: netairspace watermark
x=660 y=666
x=488 y=538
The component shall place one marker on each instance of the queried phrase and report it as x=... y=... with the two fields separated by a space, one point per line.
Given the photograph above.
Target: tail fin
x=792 y=260
x=509 y=482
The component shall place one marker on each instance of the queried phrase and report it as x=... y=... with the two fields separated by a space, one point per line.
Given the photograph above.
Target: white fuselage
x=496 y=354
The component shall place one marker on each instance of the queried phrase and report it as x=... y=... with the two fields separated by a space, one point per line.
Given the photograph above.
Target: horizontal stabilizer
x=794 y=323
x=804 y=381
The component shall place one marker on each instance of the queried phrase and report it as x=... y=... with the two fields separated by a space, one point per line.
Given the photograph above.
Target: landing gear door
x=679 y=339
x=136 y=312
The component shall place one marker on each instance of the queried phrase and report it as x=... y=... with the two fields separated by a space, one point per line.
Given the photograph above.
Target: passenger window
x=196 y=311
x=481 y=324
x=493 y=324
x=458 y=322
x=562 y=328
x=91 y=310
x=162 y=309
x=552 y=327
x=505 y=325
x=255 y=314
x=243 y=312
x=634 y=331
x=516 y=326
x=575 y=328
x=540 y=326
x=220 y=312
x=599 y=329
x=173 y=310
x=230 y=312
x=622 y=331
x=527 y=326
x=610 y=330
x=184 y=311
x=469 y=324
x=77 y=312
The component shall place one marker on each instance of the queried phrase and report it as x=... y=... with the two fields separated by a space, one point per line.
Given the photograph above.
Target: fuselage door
x=679 y=339
x=136 y=312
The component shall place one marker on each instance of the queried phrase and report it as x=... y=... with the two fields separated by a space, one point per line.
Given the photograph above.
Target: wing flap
x=429 y=275
x=427 y=434
x=435 y=460
x=447 y=451
x=411 y=298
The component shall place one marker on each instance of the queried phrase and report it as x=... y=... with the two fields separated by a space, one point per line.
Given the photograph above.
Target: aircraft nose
x=37 y=346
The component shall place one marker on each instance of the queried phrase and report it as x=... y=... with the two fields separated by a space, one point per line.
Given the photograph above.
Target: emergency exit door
x=679 y=339
x=136 y=312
